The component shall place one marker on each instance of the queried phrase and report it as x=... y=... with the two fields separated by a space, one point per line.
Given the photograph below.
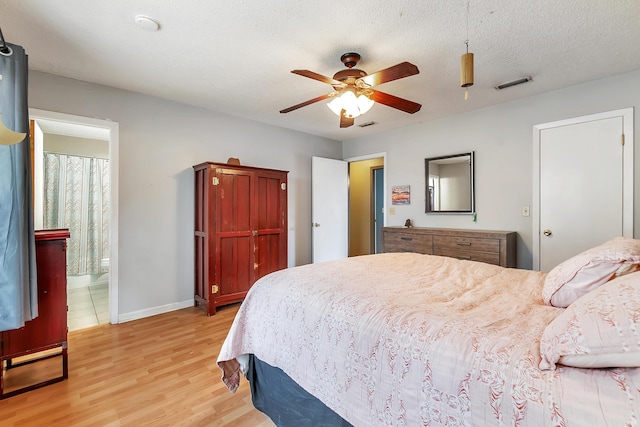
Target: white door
x=585 y=186
x=329 y=209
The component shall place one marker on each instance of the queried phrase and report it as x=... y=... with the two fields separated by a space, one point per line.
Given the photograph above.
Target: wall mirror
x=450 y=184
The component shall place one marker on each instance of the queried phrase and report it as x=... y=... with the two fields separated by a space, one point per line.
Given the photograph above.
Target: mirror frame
x=427 y=203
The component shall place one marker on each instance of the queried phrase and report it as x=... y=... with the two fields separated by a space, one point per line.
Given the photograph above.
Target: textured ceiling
x=236 y=56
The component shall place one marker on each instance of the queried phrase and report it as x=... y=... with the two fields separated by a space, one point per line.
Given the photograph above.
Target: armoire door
x=270 y=228
x=233 y=230
x=584 y=185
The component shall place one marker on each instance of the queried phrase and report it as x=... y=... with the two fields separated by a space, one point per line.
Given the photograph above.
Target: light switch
x=392 y=211
x=525 y=211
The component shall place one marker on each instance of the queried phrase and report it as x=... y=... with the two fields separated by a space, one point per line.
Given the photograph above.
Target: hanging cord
x=467 y=40
x=4 y=49
x=466 y=89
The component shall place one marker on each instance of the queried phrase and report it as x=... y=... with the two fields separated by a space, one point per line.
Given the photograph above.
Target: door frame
x=627 y=171
x=113 y=129
x=374 y=208
x=382 y=155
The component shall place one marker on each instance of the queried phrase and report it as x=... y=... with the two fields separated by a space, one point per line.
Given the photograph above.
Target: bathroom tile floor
x=88 y=306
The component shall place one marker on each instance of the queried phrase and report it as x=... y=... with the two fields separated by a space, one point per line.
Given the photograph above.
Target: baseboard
x=147 y=312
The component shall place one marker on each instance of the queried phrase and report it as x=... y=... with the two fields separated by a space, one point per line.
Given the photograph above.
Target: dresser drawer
x=475 y=244
x=488 y=257
x=407 y=242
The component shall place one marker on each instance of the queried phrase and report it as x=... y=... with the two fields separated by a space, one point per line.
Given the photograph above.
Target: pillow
x=600 y=330
x=589 y=270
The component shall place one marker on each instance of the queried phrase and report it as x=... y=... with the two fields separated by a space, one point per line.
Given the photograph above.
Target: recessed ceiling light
x=146 y=23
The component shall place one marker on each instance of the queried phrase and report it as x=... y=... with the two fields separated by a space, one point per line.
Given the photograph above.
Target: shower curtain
x=18 y=283
x=76 y=196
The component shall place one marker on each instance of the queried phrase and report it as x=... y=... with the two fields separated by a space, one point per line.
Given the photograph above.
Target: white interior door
x=329 y=209
x=584 y=188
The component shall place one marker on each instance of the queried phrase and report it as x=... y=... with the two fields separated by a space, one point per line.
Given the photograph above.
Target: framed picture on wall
x=401 y=195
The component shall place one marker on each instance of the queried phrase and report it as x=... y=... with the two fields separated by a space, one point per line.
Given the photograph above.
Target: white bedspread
x=418 y=340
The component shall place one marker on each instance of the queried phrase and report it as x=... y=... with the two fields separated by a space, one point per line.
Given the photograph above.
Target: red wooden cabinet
x=48 y=331
x=240 y=230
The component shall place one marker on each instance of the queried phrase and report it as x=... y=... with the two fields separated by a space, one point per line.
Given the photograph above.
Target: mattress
x=404 y=339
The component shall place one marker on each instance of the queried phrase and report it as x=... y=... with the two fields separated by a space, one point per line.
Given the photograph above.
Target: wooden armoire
x=240 y=230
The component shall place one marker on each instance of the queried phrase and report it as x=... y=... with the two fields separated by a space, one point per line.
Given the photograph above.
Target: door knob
x=315 y=224
x=547 y=232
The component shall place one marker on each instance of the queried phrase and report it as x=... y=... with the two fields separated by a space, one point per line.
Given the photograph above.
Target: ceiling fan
x=353 y=92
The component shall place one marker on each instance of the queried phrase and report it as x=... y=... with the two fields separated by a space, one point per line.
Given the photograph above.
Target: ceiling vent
x=513 y=83
x=364 y=125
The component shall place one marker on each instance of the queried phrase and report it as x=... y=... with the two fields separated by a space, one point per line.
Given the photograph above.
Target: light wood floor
x=158 y=371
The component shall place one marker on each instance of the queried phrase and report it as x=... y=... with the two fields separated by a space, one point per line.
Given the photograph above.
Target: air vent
x=513 y=83
x=364 y=125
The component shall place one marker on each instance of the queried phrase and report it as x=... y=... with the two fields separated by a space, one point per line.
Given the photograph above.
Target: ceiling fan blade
x=399 y=71
x=319 y=77
x=305 y=103
x=395 y=102
x=345 y=122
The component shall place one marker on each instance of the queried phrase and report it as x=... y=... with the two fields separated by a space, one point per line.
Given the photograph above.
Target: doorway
x=333 y=217
x=362 y=201
x=583 y=185
x=80 y=149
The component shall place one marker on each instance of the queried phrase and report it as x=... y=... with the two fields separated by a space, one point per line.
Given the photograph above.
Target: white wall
x=501 y=137
x=159 y=142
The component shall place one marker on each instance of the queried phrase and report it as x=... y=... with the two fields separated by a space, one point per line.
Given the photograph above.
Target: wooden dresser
x=492 y=247
x=44 y=337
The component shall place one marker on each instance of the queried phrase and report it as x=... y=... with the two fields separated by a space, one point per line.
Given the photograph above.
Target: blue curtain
x=18 y=285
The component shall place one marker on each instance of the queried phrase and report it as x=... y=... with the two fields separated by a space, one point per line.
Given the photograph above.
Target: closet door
x=233 y=234
x=583 y=185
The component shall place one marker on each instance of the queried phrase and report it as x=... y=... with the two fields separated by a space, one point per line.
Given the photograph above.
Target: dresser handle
x=463 y=243
x=406 y=238
x=468 y=257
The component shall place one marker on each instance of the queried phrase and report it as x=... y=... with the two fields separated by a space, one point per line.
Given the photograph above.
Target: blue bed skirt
x=287 y=404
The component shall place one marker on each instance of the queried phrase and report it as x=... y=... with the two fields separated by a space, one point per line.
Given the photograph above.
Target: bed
x=404 y=339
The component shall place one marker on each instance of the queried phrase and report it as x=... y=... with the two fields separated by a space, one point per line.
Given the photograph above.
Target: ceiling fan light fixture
x=353 y=105
x=353 y=94
x=335 y=105
x=350 y=104
x=364 y=103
